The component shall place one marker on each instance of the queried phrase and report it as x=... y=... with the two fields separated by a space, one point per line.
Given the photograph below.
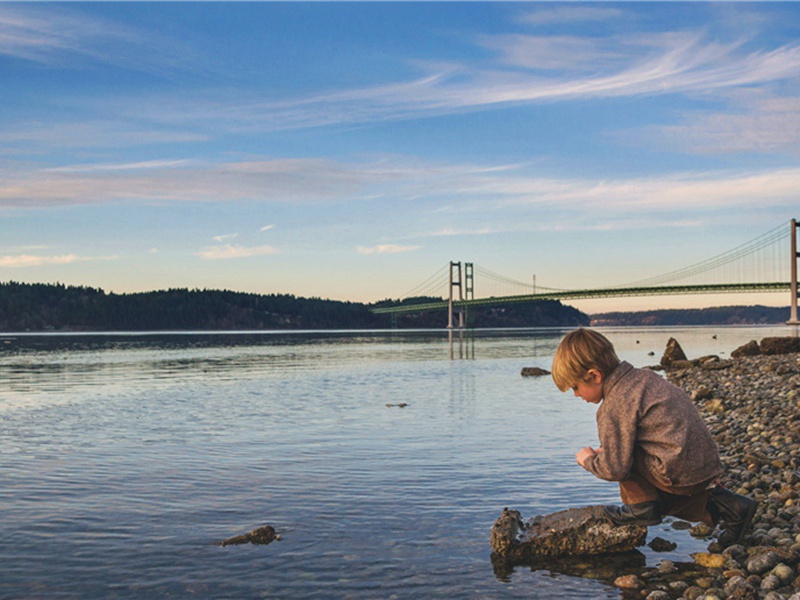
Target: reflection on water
x=126 y=457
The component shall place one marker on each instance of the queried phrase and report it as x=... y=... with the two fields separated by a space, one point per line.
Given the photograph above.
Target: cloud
x=226 y=237
x=229 y=251
x=74 y=38
x=386 y=249
x=436 y=188
x=569 y=14
x=266 y=227
x=30 y=260
x=762 y=125
x=526 y=69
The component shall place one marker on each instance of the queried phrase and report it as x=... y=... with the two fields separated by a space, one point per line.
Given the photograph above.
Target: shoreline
x=752 y=407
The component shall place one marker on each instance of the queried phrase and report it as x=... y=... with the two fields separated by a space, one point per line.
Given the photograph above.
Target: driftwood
x=262 y=535
x=572 y=532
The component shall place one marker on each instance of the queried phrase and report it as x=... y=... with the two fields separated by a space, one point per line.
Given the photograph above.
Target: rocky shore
x=751 y=403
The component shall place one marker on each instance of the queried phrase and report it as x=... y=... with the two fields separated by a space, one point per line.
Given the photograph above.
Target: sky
x=352 y=150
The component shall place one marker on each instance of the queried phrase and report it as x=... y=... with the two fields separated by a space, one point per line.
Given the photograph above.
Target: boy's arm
x=585 y=453
x=617 y=432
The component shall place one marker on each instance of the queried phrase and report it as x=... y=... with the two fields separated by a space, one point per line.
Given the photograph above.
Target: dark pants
x=684 y=502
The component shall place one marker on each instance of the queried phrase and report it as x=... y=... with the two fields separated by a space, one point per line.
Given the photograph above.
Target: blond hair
x=579 y=351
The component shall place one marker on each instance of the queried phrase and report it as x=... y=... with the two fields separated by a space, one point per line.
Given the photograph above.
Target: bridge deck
x=716 y=288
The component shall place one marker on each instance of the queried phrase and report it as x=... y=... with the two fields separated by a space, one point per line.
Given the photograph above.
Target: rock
x=534 y=372
x=659 y=544
x=629 y=582
x=262 y=535
x=571 y=532
x=761 y=563
x=780 y=345
x=672 y=353
x=658 y=595
x=737 y=588
x=701 y=530
x=749 y=349
x=710 y=561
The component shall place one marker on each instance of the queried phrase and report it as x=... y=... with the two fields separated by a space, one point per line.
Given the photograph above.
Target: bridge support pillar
x=793 y=306
x=455 y=282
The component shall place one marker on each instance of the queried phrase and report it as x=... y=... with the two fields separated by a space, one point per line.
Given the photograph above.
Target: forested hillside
x=56 y=307
x=720 y=315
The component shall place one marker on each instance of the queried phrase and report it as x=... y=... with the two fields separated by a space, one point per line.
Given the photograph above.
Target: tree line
x=58 y=307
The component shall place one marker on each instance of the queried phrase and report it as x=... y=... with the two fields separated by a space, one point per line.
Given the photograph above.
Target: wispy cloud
x=267 y=227
x=70 y=37
x=441 y=188
x=527 y=69
x=31 y=260
x=226 y=237
x=761 y=125
x=229 y=251
x=386 y=249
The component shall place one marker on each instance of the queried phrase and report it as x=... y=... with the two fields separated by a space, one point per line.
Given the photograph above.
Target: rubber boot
x=735 y=510
x=643 y=513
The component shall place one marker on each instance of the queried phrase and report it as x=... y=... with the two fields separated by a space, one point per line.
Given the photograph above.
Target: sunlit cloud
x=386 y=249
x=31 y=260
x=229 y=251
x=267 y=227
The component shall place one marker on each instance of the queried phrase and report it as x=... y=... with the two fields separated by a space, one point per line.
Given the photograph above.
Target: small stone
x=710 y=561
x=737 y=588
x=534 y=372
x=784 y=572
x=770 y=582
x=666 y=566
x=659 y=544
x=701 y=530
x=761 y=563
x=774 y=596
x=628 y=582
x=693 y=592
x=681 y=525
x=657 y=595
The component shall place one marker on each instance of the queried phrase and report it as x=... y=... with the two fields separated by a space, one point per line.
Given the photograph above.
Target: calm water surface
x=125 y=458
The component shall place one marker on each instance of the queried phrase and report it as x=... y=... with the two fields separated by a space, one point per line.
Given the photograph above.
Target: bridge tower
x=793 y=306
x=455 y=282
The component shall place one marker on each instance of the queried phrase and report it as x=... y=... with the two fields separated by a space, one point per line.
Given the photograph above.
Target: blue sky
x=350 y=151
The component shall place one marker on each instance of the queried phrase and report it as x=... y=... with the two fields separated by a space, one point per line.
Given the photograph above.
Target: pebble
x=752 y=408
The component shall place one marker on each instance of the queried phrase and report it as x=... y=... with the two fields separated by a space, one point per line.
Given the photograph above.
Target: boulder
x=672 y=353
x=534 y=372
x=262 y=535
x=780 y=345
x=572 y=532
x=749 y=349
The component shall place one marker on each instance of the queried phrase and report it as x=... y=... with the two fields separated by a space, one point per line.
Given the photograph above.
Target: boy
x=653 y=440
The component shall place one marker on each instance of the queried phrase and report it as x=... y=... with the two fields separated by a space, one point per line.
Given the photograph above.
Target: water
x=125 y=458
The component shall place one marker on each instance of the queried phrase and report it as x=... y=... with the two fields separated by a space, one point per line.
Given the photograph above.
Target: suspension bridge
x=767 y=263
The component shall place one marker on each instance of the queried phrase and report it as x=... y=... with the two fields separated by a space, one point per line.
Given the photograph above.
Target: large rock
x=572 y=532
x=780 y=345
x=673 y=353
x=749 y=349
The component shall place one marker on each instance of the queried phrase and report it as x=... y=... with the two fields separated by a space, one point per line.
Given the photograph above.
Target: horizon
x=347 y=151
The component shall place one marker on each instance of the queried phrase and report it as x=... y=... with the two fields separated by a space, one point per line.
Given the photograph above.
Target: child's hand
x=585 y=453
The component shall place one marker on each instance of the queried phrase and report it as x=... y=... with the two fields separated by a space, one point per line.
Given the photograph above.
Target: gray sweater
x=643 y=413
